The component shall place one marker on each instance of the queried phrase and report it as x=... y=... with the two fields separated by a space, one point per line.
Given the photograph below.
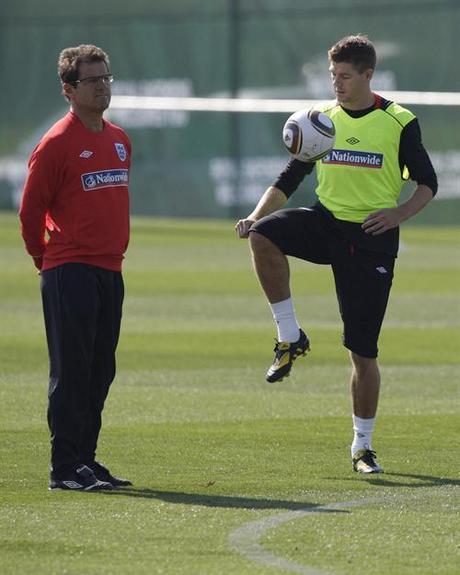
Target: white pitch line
x=246 y=539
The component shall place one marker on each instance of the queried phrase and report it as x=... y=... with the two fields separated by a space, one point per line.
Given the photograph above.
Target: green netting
x=183 y=162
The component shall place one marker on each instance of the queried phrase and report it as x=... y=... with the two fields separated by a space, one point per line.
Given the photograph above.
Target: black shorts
x=363 y=277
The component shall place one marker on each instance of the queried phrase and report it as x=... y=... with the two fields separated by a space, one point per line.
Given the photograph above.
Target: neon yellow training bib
x=362 y=173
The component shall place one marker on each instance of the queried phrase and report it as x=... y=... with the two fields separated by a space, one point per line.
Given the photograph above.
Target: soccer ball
x=309 y=135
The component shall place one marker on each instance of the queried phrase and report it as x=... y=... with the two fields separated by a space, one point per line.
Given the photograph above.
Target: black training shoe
x=81 y=478
x=285 y=354
x=103 y=474
x=363 y=461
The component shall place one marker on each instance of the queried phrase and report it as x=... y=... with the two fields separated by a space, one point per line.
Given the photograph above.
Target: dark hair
x=357 y=50
x=70 y=59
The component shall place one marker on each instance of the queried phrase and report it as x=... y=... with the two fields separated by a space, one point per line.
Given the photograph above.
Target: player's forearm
x=34 y=241
x=272 y=200
x=33 y=228
x=420 y=198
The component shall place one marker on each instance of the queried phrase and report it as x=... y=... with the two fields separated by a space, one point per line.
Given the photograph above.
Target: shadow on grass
x=222 y=501
x=407 y=480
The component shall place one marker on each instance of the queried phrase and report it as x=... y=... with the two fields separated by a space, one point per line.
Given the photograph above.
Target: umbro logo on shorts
x=382 y=270
x=86 y=154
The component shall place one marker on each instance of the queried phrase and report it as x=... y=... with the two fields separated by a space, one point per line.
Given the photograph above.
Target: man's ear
x=369 y=74
x=67 y=90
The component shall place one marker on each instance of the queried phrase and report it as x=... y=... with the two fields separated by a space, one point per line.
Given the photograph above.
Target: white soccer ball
x=309 y=135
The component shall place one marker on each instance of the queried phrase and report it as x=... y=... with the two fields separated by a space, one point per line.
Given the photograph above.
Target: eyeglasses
x=94 y=80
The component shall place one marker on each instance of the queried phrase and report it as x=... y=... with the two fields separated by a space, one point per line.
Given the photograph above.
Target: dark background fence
x=210 y=164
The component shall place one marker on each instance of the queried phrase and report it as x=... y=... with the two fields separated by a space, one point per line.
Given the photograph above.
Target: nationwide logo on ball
x=309 y=135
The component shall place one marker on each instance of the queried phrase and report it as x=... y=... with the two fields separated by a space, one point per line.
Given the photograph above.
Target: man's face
x=92 y=93
x=350 y=86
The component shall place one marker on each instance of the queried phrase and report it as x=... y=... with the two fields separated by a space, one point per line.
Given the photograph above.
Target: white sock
x=286 y=321
x=363 y=429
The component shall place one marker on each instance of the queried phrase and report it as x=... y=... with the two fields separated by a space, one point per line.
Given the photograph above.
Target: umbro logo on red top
x=86 y=154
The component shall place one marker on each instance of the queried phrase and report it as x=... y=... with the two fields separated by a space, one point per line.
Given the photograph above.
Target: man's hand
x=383 y=220
x=38 y=262
x=242 y=227
x=272 y=200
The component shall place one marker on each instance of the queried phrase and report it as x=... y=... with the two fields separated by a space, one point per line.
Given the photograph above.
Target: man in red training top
x=75 y=224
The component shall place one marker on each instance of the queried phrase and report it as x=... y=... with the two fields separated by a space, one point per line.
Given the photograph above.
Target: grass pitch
x=212 y=449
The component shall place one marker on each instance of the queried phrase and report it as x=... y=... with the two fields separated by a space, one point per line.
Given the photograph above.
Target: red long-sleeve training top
x=77 y=193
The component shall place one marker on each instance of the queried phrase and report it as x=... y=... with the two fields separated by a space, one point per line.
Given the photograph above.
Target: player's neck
x=93 y=121
x=362 y=103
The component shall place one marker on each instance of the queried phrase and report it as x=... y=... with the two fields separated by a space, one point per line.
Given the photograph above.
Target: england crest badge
x=121 y=151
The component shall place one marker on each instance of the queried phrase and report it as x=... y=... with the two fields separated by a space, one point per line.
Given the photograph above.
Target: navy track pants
x=82 y=306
